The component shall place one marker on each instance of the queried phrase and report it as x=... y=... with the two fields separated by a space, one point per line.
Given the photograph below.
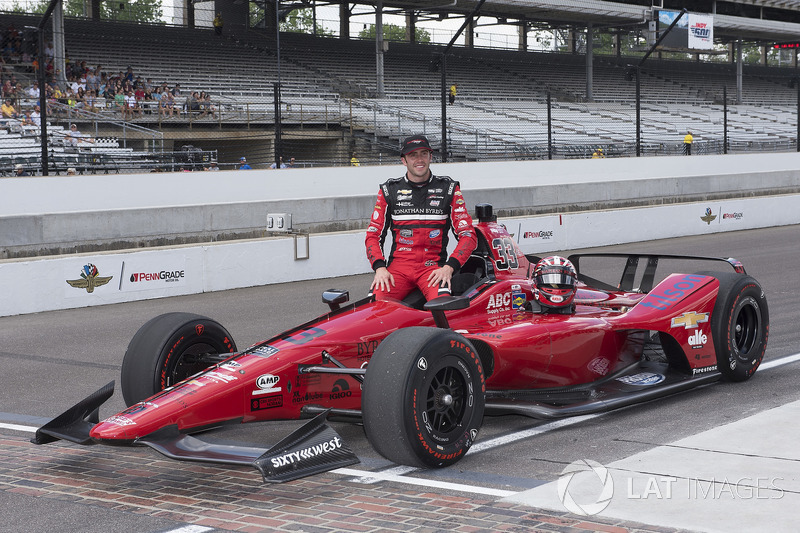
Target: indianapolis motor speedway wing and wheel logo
x=571 y=476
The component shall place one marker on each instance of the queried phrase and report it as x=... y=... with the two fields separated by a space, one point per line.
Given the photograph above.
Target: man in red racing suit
x=420 y=209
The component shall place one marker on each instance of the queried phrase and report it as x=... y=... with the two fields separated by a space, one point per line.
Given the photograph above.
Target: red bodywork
x=520 y=349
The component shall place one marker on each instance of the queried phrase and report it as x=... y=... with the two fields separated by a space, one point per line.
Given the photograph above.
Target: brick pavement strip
x=137 y=481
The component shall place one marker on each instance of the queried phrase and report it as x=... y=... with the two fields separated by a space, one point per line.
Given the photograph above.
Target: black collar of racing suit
x=419 y=185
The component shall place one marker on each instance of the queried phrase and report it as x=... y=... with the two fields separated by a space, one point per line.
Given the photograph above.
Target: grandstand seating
x=500 y=112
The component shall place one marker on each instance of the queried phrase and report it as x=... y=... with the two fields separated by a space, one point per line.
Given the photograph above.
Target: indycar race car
x=420 y=376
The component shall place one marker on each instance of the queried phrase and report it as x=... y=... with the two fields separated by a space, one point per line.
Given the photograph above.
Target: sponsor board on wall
x=101 y=276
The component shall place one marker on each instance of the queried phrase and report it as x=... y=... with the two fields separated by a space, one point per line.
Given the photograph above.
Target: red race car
x=544 y=338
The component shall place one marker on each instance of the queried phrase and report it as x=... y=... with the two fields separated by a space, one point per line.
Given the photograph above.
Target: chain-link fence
x=139 y=97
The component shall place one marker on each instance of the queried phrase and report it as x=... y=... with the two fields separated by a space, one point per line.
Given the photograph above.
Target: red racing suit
x=420 y=216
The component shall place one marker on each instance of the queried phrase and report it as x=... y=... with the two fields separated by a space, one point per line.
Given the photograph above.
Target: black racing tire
x=162 y=351
x=739 y=325
x=423 y=398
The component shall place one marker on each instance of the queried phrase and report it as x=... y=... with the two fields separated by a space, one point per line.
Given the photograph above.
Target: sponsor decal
x=307 y=397
x=599 y=365
x=307 y=379
x=642 y=379
x=367 y=349
x=401 y=197
x=435 y=203
x=732 y=216
x=90 y=279
x=460 y=201
x=664 y=297
x=375 y=215
x=267 y=381
x=704 y=369
x=431 y=262
x=422 y=364
x=405 y=241
x=407 y=233
x=459 y=210
x=698 y=339
x=498 y=303
x=372 y=229
x=137 y=408
x=435 y=233
x=689 y=320
x=404 y=191
x=316 y=450
x=462 y=224
x=518 y=300
x=708 y=218
x=265 y=351
x=404 y=249
x=164 y=275
x=216 y=377
x=555 y=298
x=120 y=421
x=545 y=235
x=231 y=366
x=267 y=402
x=341 y=389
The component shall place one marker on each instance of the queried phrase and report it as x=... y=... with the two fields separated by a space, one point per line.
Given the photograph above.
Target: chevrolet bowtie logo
x=689 y=320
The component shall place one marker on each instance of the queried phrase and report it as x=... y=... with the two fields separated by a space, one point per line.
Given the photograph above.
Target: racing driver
x=420 y=209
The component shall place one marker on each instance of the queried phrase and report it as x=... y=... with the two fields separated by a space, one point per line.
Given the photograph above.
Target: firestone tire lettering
x=156 y=356
x=423 y=415
x=739 y=325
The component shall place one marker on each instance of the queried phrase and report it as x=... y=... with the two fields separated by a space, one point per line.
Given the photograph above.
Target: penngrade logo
x=90 y=279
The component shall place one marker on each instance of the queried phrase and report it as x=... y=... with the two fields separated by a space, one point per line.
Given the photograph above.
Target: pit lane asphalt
x=51 y=360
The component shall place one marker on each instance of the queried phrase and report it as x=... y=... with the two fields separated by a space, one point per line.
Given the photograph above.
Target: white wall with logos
x=83 y=280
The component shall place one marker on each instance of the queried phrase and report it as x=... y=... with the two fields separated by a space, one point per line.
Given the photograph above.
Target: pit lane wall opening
x=83 y=280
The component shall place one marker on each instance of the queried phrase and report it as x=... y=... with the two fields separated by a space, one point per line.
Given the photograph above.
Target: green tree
x=302 y=21
x=393 y=32
x=149 y=11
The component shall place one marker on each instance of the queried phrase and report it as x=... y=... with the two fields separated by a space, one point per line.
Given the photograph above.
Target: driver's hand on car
x=440 y=276
x=383 y=280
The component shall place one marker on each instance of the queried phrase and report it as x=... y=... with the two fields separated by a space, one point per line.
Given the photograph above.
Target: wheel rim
x=746 y=328
x=444 y=407
x=188 y=363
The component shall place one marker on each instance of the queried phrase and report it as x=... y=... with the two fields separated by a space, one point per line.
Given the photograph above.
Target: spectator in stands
x=26 y=119
x=452 y=95
x=218 y=22
x=206 y=105
x=128 y=75
x=280 y=164
x=687 y=143
x=71 y=171
x=354 y=162
x=8 y=110
x=36 y=116
x=176 y=91
x=20 y=171
x=166 y=105
x=212 y=166
x=33 y=90
x=8 y=90
x=291 y=163
x=131 y=106
x=243 y=164
x=598 y=154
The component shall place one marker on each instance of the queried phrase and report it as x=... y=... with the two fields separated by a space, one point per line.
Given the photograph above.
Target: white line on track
x=191 y=529
x=398 y=474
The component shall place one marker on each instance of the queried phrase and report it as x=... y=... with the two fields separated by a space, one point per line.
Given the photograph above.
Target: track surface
x=51 y=360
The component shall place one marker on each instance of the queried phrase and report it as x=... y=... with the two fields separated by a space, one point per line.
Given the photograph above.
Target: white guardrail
x=82 y=280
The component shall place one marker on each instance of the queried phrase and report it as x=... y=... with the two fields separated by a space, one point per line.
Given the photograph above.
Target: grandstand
x=330 y=104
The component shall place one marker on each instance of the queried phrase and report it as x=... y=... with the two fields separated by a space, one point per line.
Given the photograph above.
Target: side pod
x=75 y=423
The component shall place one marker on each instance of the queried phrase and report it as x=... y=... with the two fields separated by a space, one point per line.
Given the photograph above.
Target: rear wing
x=632 y=261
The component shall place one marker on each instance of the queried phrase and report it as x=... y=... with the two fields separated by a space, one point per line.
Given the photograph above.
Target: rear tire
x=162 y=353
x=423 y=397
x=739 y=325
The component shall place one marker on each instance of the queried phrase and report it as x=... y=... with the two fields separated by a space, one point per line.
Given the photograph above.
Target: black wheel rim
x=188 y=363
x=445 y=400
x=746 y=328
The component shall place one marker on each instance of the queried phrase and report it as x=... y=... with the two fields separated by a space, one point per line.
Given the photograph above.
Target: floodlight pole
x=440 y=61
x=277 y=87
x=42 y=86
x=637 y=74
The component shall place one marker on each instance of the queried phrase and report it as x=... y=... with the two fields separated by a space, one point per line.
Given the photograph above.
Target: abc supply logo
x=586 y=488
x=585 y=474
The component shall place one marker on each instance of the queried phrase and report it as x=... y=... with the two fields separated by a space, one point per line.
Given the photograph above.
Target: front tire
x=739 y=325
x=165 y=351
x=423 y=397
